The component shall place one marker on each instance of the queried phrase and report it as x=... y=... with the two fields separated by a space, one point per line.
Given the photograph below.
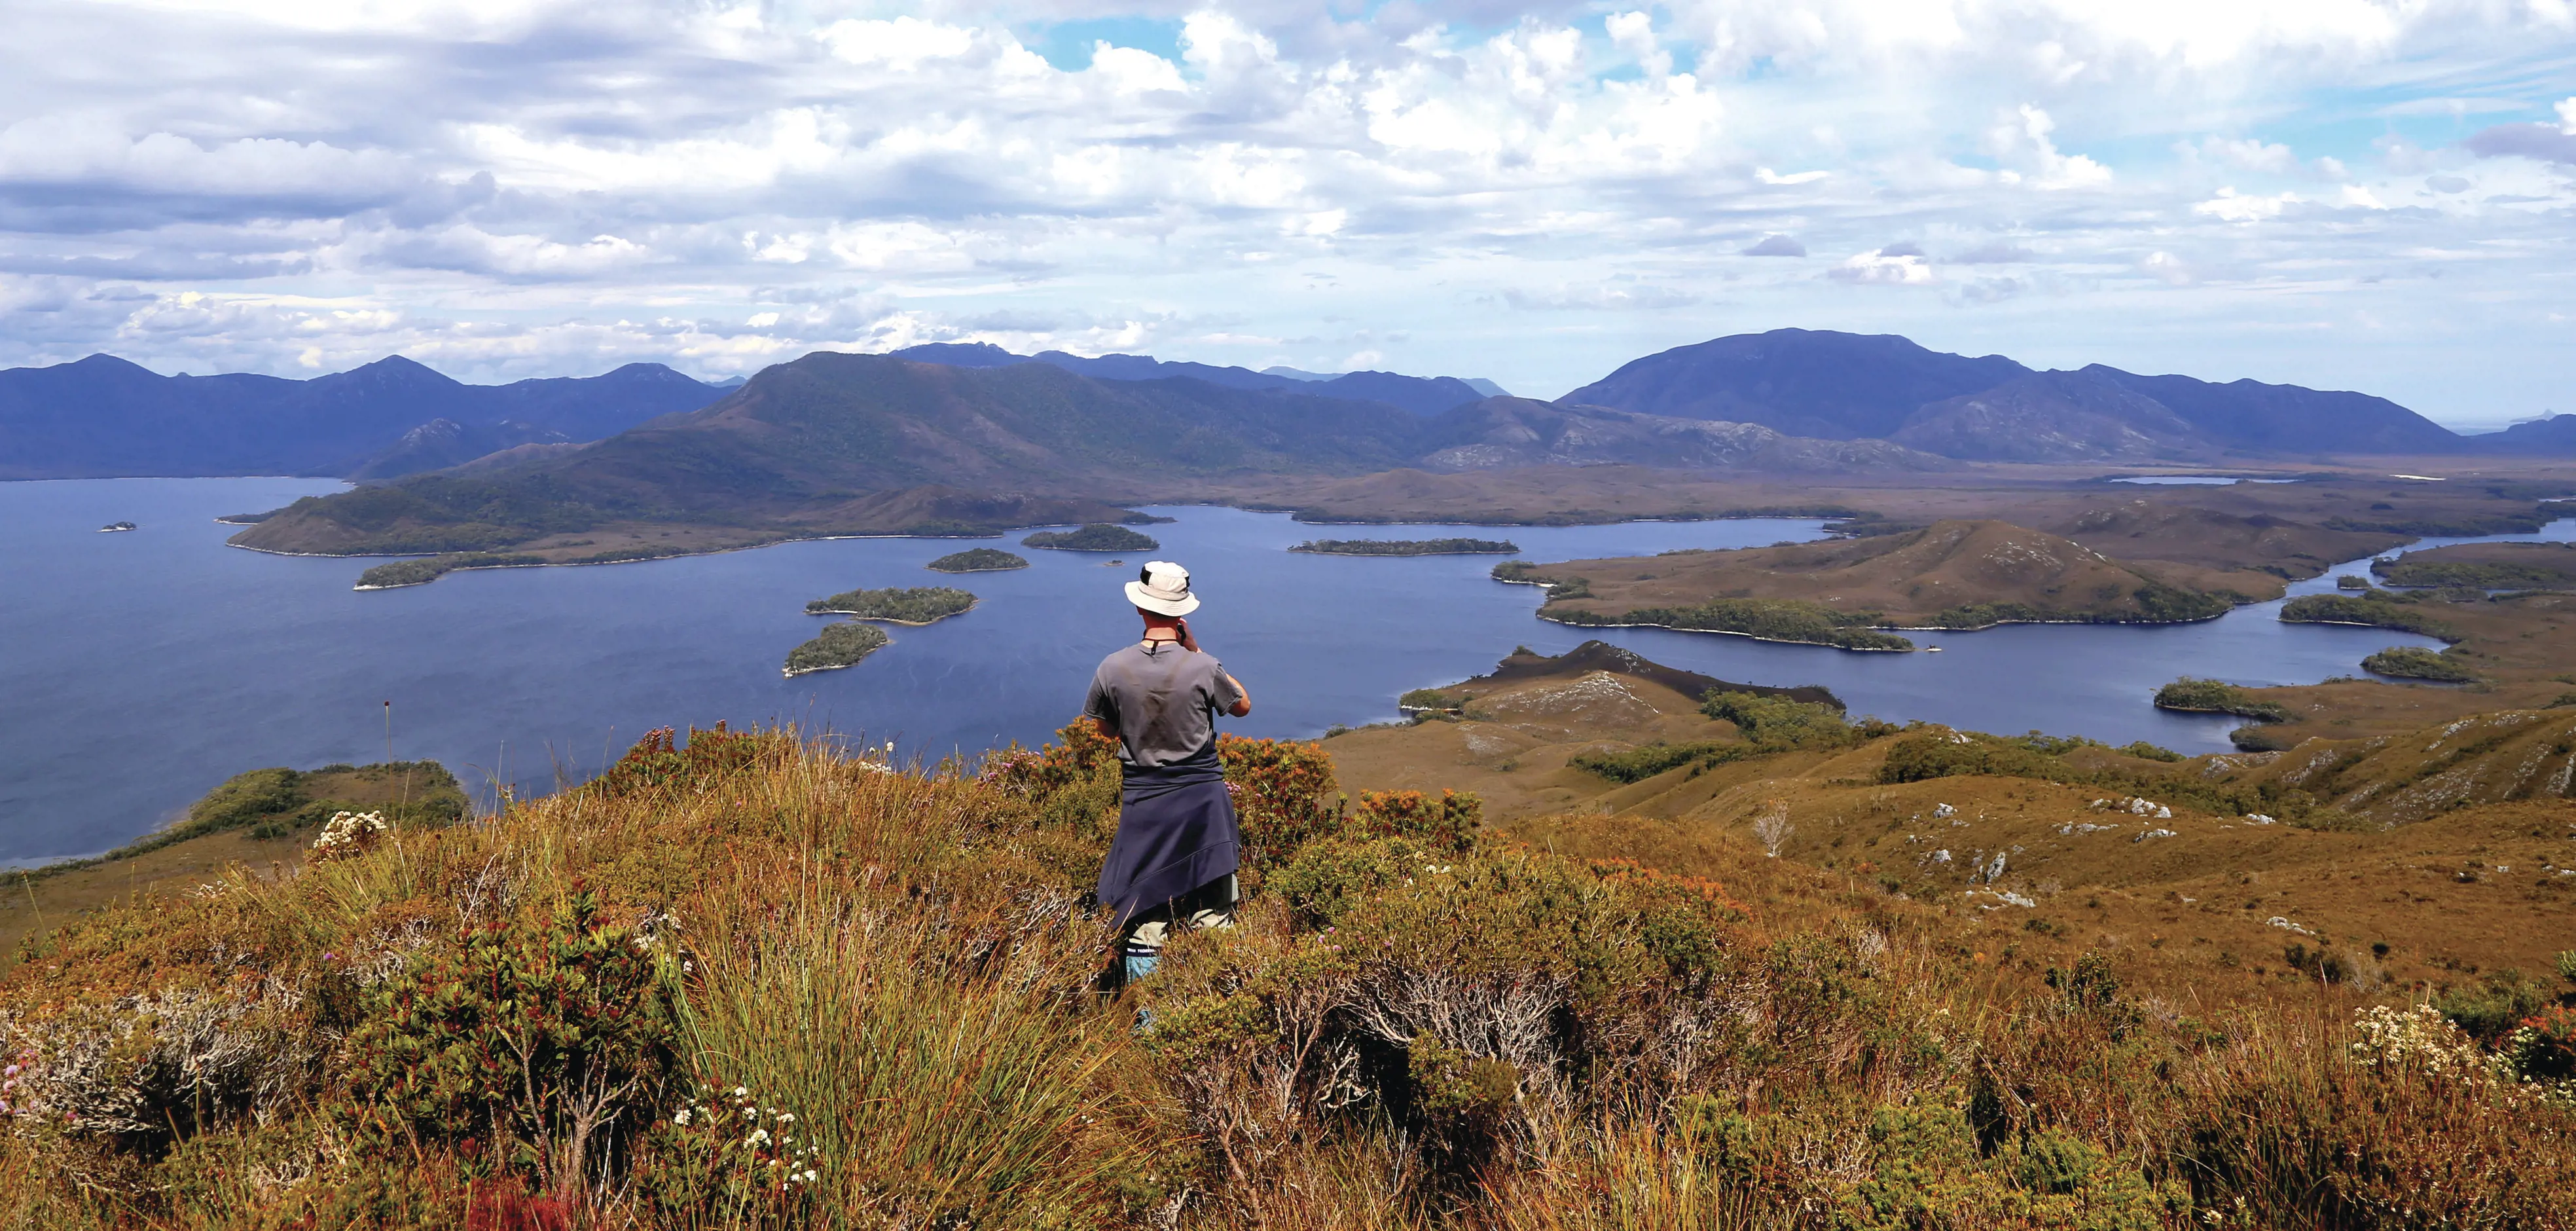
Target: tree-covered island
x=1407 y=547
x=921 y=605
x=839 y=645
x=422 y=572
x=978 y=560
x=1098 y=536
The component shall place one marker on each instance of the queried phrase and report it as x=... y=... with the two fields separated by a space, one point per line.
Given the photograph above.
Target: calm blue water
x=140 y=669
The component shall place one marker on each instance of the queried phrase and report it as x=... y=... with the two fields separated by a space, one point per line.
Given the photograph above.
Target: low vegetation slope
x=1955 y=574
x=746 y=982
x=1509 y=431
x=2491 y=566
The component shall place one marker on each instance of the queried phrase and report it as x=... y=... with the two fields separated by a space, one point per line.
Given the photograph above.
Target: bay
x=141 y=668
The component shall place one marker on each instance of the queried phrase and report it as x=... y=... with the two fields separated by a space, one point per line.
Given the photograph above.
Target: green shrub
x=1776 y=723
x=2152 y=752
x=1943 y=754
x=1431 y=699
x=1641 y=763
x=556 y=1036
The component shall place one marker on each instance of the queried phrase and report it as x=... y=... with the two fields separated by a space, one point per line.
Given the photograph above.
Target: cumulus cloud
x=525 y=187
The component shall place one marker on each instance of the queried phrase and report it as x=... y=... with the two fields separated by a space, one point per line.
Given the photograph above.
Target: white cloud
x=1885 y=267
x=2231 y=206
x=529 y=186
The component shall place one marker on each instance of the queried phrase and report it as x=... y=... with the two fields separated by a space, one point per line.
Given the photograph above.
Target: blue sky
x=2370 y=194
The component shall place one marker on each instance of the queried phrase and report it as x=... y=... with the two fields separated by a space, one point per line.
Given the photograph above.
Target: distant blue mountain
x=2554 y=436
x=1844 y=386
x=1421 y=395
x=103 y=417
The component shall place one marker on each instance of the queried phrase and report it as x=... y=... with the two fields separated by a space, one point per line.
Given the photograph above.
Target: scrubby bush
x=550 y=1039
x=1446 y=822
x=1775 y=723
x=1943 y=754
x=1646 y=761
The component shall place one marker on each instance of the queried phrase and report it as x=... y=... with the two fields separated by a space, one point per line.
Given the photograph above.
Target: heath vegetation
x=748 y=980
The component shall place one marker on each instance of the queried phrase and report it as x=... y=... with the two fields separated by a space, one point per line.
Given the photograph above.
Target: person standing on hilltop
x=1173 y=861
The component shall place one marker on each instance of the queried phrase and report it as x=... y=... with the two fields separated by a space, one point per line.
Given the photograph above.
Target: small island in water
x=1408 y=547
x=839 y=645
x=918 y=606
x=1098 y=536
x=978 y=560
x=115 y=526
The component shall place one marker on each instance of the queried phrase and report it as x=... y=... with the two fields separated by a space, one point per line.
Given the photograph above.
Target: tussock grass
x=1413 y=1026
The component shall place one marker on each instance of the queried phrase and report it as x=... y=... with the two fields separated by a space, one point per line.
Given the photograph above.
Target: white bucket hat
x=1163 y=588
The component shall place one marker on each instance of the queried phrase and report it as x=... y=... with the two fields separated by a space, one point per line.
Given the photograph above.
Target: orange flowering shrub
x=1279 y=789
x=1446 y=823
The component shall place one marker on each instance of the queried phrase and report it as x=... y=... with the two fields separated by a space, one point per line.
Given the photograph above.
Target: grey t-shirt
x=1162 y=699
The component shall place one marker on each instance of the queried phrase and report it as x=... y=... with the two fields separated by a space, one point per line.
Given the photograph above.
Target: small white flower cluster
x=349 y=831
x=789 y=1164
x=2420 y=1038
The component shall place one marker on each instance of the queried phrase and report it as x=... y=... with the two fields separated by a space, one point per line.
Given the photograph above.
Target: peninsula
x=2487 y=566
x=1098 y=536
x=1408 y=547
x=916 y=607
x=402 y=573
x=837 y=646
x=1954 y=574
x=978 y=560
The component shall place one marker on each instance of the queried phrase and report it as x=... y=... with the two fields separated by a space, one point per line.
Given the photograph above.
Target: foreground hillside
x=749 y=982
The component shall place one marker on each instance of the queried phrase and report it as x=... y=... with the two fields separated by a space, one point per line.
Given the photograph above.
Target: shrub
x=1943 y=754
x=1445 y=823
x=1279 y=790
x=660 y=764
x=2151 y=752
x=1431 y=699
x=555 y=1036
x=1639 y=764
x=1777 y=723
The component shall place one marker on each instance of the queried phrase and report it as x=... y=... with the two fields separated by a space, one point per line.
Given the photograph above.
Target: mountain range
x=103 y=417
x=1839 y=386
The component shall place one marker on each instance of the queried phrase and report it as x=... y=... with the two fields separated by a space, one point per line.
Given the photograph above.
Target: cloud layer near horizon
x=2367 y=194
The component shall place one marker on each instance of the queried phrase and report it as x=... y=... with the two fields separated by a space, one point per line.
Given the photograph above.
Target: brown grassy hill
x=1952 y=574
x=2243 y=543
x=2506 y=756
x=2052 y=859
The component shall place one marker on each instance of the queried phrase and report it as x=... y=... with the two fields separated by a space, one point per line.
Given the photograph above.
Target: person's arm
x=1242 y=699
x=1101 y=709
